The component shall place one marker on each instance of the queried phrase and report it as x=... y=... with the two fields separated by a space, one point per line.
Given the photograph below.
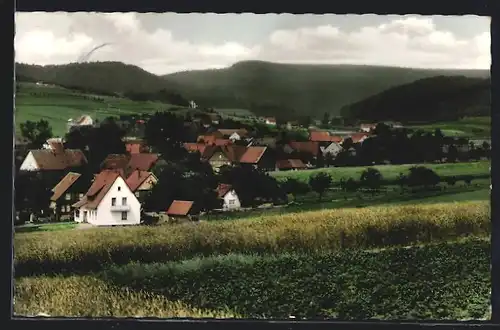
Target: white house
x=53 y=157
x=229 y=197
x=271 y=121
x=235 y=137
x=333 y=149
x=108 y=202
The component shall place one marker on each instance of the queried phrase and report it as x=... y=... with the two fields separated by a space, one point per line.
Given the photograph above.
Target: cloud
x=56 y=38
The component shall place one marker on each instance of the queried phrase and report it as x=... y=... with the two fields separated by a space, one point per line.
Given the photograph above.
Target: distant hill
x=264 y=88
x=441 y=98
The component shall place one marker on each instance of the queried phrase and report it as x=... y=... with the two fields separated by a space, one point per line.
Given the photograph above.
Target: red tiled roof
x=180 y=208
x=290 y=164
x=115 y=161
x=310 y=147
x=252 y=155
x=228 y=132
x=222 y=142
x=356 y=137
x=99 y=188
x=49 y=160
x=233 y=152
x=64 y=185
x=136 y=178
x=193 y=147
x=142 y=162
x=223 y=189
x=206 y=139
x=323 y=136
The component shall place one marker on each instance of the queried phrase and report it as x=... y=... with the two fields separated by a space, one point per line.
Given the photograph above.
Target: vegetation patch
x=87 y=296
x=443 y=281
x=305 y=232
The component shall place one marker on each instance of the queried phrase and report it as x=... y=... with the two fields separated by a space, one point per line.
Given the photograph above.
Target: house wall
x=148 y=183
x=29 y=163
x=218 y=160
x=231 y=201
x=333 y=149
x=235 y=136
x=103 y=216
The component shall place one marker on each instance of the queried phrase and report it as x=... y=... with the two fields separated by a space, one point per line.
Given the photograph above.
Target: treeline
x=431 y=99
x=401 y=146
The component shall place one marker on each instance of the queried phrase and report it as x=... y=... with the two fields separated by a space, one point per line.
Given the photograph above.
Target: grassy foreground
x=391 y=172
x=436 y=281
x=305 y=232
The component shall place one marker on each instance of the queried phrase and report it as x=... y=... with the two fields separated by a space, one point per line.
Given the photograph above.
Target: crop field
x=391 y=172
x=448 y=280
x=325 y=230
x=479 y=127
x=57 y=105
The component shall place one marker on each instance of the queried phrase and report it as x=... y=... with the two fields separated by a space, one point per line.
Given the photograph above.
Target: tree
x=326 y=119
x=97 y=142
x=31 y=194
x=402 y=181
x=452 y=154
x=165 y=132
x=451 y=180
x=319 y=183
x=371 y=178
x=37 y=133
x=349 y=185
x=294 y=187
x=421 y=176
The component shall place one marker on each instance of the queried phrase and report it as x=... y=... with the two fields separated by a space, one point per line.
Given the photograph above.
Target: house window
x=68 y=197
x=113 y=201
x=119 y=188
x=137 y=194
x=124 y=200
x=124 y=215
x=231 y=202
x=80 y=196
x=77 y=213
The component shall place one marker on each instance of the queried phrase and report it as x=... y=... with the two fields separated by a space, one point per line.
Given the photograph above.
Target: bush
x=329 y=230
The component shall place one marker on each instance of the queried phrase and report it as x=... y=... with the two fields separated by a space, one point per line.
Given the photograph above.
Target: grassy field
x=390 y=172
x=57 y=105
x=443 y=281
x=45 y=227
x=479 y=127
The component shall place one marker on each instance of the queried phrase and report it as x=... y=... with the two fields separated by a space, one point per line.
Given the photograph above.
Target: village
x=115 y=193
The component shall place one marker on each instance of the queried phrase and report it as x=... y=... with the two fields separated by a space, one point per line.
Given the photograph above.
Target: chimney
x=56 y=145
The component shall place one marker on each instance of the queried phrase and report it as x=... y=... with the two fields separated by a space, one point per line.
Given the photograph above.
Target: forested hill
x=430 y=99
x=263 y=87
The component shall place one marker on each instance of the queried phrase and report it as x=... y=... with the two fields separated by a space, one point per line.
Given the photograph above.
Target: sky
x=170 y=42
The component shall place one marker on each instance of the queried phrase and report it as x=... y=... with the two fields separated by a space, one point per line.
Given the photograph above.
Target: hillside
x=57 y=105
x=441 y=98
x=264 y=88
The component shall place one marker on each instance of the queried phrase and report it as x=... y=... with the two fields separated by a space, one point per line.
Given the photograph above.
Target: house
x=195 y=147
x=108 y=202
x=270 y=121
x=306 y=147
x=219 y=156
x=258 y=157
x=84 y=120
x=359 y=137
x=55 y=157
x=215 y=118
x=213 y=140
x=367 y=127
x=136 y=146
x=333 y=149
x=141 y=182
x=182 y=210
x=234 y=134
x=68 y=191
x=290 y=164
x=229 y=196
x=323 y=136
x=128 y=163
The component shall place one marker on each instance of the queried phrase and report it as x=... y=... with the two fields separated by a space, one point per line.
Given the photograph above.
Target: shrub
x=92 y=249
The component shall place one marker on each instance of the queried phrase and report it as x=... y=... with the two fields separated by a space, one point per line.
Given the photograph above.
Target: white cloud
x=56 y=38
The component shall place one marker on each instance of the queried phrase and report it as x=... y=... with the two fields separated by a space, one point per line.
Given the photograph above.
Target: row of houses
x=114 y=195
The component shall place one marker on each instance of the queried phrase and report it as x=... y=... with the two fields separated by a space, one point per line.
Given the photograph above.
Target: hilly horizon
x=265 y=88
